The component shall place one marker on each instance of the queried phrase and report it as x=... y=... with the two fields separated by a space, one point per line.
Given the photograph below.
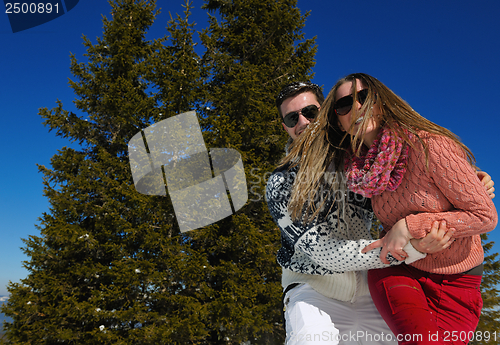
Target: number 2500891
x=34 y=7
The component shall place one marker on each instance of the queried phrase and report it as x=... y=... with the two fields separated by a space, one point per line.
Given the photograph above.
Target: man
x=326 y=297
x=295 y=98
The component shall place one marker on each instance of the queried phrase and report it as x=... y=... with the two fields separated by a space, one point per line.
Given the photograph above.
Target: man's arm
x=315 y=247
x=485 y=178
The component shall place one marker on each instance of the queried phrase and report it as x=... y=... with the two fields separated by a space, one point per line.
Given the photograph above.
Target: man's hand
x=487 y=181
x=437 y=239
x=393 y=242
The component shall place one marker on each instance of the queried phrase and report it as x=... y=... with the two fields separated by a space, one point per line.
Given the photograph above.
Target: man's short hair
x=296 y=88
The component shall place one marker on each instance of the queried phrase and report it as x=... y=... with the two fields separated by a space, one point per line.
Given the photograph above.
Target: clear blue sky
x=441 y=56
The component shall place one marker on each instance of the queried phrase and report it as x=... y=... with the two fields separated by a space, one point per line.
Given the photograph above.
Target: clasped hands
x=439 y=238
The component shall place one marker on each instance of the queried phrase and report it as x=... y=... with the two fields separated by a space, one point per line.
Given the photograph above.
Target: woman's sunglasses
x=290 y=120
x=344 y=105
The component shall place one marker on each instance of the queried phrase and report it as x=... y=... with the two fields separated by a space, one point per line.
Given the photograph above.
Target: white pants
x=311 y=318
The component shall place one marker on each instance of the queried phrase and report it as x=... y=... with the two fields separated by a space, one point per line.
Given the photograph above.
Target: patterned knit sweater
x=448 y=190
x=326 y=254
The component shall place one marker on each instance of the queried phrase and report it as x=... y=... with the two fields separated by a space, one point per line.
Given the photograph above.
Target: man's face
x=296 y=103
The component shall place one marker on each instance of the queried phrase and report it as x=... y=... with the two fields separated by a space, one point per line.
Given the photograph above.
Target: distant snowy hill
x=3 y=299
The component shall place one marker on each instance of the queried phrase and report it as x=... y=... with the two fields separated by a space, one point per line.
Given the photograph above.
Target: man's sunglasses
x=290 y=120
x=344 y=105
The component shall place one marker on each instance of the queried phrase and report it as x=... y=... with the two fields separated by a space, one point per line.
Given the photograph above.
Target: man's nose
x=303 y=120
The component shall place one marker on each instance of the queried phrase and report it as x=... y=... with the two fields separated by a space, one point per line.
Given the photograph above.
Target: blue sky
x=440 y=56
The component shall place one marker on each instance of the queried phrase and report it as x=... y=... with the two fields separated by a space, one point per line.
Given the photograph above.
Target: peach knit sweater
x=449 y=190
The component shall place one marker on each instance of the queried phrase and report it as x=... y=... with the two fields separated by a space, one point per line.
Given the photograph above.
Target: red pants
x=425 y=308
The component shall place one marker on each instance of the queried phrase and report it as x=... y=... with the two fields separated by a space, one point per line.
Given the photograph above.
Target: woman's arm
x=437 y=240
x=474 y=212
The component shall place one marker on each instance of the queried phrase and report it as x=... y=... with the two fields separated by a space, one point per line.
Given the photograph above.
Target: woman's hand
x=393 y=242
x=487 y=181
x=437 y=239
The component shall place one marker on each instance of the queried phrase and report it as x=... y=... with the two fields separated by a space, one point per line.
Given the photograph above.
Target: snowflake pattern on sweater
x=333 y=242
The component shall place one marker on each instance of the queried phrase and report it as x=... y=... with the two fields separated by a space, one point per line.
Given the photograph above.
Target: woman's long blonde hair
x=323 y=145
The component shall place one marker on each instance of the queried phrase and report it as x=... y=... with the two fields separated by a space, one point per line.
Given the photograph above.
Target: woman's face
x=345 y=121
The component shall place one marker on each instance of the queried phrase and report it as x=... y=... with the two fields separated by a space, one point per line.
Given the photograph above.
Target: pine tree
x=250 y=54
x=110 y=265
x=487 y=331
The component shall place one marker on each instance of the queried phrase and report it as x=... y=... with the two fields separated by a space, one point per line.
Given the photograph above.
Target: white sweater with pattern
x=326 y=254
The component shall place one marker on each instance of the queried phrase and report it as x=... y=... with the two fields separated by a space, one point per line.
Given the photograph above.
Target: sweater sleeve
x=321 y=247
x=472 y=211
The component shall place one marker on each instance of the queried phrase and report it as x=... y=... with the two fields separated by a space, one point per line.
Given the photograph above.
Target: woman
x=326 y=297
x=416 y=172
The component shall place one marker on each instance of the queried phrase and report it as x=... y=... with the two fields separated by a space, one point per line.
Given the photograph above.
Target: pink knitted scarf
x=378 y=168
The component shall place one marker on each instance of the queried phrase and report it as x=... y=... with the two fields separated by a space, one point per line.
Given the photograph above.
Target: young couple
x=424 y=273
